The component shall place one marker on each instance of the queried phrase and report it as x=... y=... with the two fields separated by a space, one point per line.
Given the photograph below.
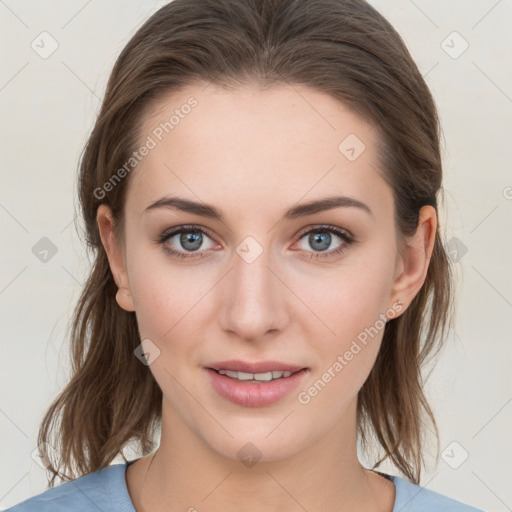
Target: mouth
x=256 y=377
x=254 y=384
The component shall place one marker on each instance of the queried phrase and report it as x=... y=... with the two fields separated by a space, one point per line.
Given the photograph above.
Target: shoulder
x=104 y=489
x=413 y=498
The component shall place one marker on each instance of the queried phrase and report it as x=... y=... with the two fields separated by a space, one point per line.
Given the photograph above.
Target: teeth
x=256 y=376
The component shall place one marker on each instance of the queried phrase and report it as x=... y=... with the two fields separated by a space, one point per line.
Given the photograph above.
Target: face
x=309 y=289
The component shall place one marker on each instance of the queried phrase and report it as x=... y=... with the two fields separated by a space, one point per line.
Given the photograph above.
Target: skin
x=253 y=154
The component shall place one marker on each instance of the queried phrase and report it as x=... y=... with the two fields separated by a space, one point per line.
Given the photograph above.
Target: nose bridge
x=254 y=301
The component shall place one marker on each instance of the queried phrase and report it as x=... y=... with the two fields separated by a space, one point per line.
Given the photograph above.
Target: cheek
x=352 y=299
x=160 y=291
x=353 y=312
x=344 y=359
x=165 y=315
x=161 y=302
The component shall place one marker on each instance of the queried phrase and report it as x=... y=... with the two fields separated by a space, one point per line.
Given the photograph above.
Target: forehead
x=240 y=146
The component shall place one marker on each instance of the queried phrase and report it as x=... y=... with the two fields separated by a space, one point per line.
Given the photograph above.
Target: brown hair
x=344 y=48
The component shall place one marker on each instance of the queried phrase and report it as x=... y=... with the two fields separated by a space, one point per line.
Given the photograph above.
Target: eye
x=190 y=238
x=320 y=238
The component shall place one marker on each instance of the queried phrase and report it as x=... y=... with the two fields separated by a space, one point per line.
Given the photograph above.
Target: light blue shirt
x=105 y=490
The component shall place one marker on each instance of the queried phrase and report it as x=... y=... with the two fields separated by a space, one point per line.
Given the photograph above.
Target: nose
x=253 y=303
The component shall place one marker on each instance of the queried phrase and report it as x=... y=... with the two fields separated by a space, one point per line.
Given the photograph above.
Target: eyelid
x=185 y=228
x=326 y=227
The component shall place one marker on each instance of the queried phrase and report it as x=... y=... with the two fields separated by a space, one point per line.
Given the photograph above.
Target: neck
x=186 y=474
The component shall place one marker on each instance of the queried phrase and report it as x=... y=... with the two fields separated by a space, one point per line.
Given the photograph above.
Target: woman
x=260 y=191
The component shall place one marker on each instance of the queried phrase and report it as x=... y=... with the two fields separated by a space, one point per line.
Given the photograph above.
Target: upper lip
x=254 y=367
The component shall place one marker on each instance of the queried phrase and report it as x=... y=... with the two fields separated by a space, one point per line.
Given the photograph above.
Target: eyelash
x=347 y=238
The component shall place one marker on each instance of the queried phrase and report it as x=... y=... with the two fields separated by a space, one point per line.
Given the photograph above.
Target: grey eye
x=191 y=241
x=318 y=241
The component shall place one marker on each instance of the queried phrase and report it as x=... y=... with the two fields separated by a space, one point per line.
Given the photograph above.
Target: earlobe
x=124 y=299
x=415 y=257
x=115 y=257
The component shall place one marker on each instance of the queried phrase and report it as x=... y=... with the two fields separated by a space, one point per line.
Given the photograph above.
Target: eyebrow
x=296 y=212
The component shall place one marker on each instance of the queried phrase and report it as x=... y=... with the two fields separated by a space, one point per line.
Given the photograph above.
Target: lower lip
x=254 y=394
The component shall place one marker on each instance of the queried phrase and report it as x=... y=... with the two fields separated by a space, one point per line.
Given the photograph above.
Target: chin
x=257 y=440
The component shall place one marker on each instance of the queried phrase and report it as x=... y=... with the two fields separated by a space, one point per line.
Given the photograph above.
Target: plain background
x=48 y=108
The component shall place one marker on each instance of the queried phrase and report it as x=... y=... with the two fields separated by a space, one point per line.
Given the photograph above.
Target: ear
x=115 y=257
x=414 y=258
